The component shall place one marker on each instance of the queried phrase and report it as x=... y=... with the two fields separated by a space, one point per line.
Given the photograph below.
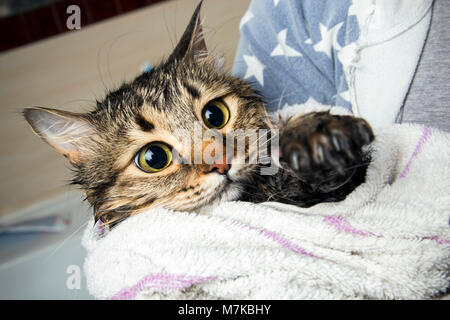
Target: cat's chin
x=231 y=191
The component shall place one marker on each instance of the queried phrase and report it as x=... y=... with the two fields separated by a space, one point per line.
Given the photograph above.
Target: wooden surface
x=70 y=71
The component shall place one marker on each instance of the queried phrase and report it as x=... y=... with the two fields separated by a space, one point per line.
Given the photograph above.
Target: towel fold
x=389 y=239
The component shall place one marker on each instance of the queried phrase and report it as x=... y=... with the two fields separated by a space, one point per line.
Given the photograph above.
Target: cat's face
x=125 y=151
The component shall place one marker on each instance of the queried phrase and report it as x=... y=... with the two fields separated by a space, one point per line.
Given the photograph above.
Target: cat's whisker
x=99 y=53
x=73 y=101
x=167 y=29
x=279 y=105
x=175 y=20
x=66 y=239
x=259 y=145
x=291 y=93
x=343 y=183
x=332 y=175
x=288 y=171
x=108 y=53
x=275 y=196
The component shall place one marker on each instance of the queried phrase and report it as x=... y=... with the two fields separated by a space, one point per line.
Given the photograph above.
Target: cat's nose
x=221 y=168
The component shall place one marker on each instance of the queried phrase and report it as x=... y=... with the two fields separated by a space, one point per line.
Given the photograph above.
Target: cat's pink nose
x=220 y=167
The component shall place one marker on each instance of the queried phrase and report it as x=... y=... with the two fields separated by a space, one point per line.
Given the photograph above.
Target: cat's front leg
x=325 y=151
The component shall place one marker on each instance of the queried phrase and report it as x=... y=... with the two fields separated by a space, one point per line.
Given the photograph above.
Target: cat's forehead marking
x=143 y=123
x=192 y=90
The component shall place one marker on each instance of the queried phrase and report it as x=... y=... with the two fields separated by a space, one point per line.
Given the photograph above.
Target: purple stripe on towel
x=160 y=281
x=425 y=135
x=343 y=225
x=278 y=239
x=437 y=239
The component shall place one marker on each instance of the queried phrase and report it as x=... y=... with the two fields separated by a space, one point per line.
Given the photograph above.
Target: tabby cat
x=123 y=152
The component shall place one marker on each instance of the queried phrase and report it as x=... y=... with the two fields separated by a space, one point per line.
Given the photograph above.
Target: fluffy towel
x=389 y=239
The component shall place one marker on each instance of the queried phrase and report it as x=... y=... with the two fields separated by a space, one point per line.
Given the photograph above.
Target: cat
x=123 y=152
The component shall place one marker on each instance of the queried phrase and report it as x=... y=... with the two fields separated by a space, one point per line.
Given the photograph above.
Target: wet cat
x=128 y=157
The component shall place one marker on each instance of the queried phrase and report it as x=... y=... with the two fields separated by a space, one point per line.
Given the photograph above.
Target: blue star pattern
x=289 y=50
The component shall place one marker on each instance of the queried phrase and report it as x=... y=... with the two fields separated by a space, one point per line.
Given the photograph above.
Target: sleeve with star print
x=289 y=50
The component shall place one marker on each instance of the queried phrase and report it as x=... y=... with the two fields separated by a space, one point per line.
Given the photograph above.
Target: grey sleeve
x=428 y=99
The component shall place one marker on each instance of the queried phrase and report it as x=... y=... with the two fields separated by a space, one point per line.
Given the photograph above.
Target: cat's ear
x=192 y=44
x=66 y=132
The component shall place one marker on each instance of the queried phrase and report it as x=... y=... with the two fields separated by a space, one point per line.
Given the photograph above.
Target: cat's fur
x=321 y=154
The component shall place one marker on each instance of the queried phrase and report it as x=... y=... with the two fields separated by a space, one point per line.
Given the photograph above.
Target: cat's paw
x=325 y=150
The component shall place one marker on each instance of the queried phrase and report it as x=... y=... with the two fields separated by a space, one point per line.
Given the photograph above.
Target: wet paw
x=325 y=150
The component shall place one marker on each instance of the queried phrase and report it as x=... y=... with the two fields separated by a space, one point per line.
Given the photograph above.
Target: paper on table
x=55 y=223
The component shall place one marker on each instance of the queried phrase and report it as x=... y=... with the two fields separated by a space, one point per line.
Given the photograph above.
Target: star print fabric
x=289 y=50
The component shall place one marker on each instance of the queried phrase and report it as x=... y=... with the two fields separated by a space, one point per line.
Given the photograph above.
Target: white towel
x=389 y=239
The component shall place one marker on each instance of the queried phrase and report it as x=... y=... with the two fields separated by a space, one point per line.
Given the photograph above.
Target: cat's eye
x=154 y=157
x=215 y=114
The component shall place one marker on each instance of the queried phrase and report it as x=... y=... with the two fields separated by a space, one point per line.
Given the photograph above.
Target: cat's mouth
x=223 y=187
x=230 y=188
x=227 y=190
